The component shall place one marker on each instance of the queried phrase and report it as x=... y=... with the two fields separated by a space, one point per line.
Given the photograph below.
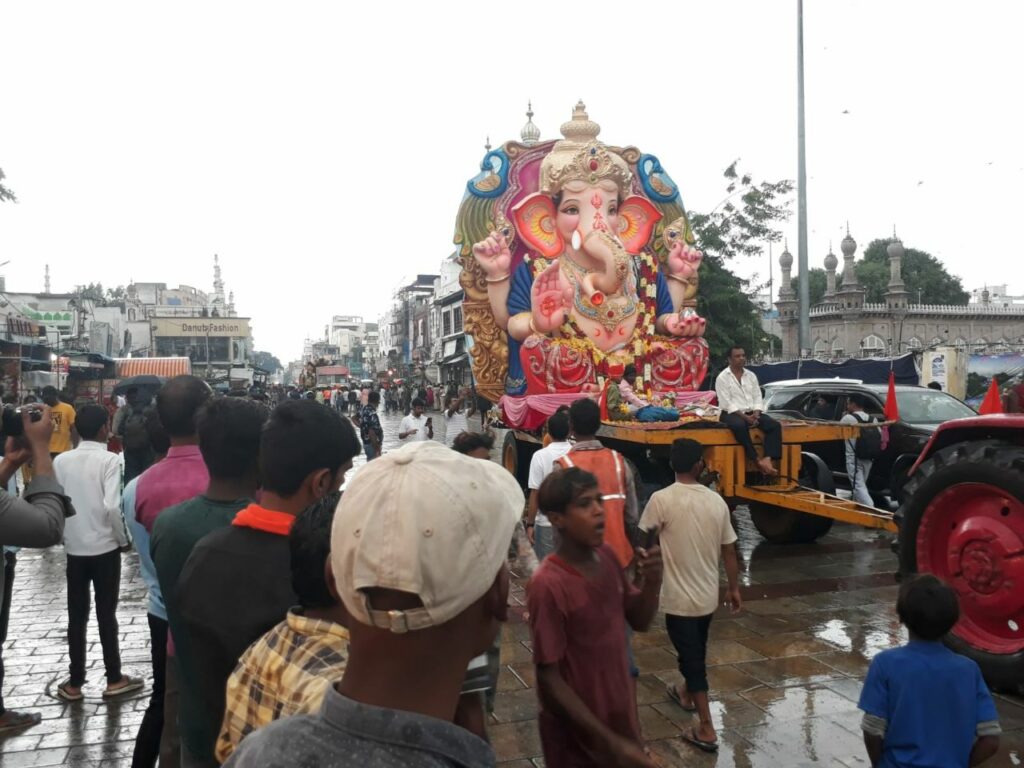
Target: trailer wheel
x=786 y=526
x=963 y=521
x=516 y=455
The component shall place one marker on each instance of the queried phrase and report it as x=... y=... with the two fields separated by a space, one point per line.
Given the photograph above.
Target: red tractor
x=963 y=520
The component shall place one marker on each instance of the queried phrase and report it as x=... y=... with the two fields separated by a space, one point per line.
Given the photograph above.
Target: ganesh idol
x=584 y=264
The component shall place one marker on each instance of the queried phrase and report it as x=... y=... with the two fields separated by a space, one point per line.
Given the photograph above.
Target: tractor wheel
x=786 y=526
x=963 y=521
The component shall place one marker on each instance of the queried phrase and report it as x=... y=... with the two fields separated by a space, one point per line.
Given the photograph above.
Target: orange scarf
x=262 y=519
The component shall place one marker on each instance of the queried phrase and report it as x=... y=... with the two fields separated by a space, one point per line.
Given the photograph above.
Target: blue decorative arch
x=492 y=181
x=657 y=184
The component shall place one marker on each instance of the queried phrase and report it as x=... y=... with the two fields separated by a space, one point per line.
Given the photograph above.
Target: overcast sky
x=321 y=149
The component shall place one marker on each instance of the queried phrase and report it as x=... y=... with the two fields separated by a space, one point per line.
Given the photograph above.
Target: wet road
x=785 y=673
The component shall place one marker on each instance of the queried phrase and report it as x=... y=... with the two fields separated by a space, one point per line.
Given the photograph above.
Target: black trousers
x=103 y=572
x=147 y=742
x=768 y=426
x=136 y=462
x=10 y=560
x=689 y=636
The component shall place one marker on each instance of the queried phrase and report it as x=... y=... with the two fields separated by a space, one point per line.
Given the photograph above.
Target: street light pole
x=801 y=191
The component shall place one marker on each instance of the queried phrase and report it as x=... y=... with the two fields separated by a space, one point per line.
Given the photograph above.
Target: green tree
x=92 y=291
x=818 y=284
x=114 y=295
x=266 y=362
x=6 y=195
x=925 y=277
x=746 y=218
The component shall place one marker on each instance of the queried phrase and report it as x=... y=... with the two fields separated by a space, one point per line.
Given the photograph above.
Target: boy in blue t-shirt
x=922 y=703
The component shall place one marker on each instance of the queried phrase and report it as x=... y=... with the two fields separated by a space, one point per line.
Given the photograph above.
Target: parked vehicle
x=921 y=409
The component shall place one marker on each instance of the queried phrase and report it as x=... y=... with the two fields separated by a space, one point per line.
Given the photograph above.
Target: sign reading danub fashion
x=234 y=327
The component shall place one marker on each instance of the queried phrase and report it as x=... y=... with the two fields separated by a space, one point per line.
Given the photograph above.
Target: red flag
x=603 y=401
x=992 y=402
x=892 y=408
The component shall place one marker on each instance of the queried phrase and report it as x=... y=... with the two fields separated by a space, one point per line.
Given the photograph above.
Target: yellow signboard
x=234 y=327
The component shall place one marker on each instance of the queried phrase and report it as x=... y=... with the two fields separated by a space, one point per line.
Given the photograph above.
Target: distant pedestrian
x=542 y=464
x=129 y=426
x=420 y=610
x=416 y=425
x=35 y=520
x=237 y=582
x=696 y=534
x=430 y=398
x=858 y=468
x=457 y=414
x=370 y=430
x=579 y=604
x=288 y=670
x=924 y=704
x=93 y=539
x=229 y=432
x=65 y=437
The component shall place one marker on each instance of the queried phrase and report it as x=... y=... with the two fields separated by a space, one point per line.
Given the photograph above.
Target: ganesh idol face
x=581 y=208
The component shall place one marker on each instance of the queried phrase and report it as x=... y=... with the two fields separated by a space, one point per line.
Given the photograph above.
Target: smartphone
x=651 y=539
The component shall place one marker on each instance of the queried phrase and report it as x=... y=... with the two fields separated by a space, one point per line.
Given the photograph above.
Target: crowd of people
x=296 y=623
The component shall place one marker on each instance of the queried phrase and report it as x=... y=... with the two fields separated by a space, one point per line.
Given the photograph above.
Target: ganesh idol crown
x=578 y=261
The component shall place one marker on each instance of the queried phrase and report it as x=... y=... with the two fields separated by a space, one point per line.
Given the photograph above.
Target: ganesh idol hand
x=685 y=325
x=684 y=260
x=494 y=256
x=550 y=300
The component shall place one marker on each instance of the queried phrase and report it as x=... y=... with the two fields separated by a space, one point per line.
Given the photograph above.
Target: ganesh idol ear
x=637 y=217
x=535 y=222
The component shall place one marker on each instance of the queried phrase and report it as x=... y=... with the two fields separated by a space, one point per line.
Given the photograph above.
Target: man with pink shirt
x=182 y=475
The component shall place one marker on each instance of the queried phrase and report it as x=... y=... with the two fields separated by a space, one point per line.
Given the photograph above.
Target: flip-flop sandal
x=705 y=746
x=63 y=693
x=673 y=693
x=131 y=684
x=12 y=720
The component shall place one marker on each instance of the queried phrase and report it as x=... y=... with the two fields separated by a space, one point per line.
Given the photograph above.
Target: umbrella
x=137 y=382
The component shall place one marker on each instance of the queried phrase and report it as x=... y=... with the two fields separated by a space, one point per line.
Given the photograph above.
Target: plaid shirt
x=286 y=672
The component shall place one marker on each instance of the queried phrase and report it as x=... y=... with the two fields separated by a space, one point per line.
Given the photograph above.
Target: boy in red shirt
x=579 y=601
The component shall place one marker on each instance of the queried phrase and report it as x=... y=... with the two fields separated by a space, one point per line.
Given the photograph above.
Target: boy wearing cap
x=418 y=556
x=579 y=602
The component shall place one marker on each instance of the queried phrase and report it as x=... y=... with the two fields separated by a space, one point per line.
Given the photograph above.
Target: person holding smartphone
x=416 y=425
x=696 y=535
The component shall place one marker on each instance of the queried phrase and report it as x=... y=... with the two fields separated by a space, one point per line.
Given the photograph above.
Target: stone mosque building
x=844 y=325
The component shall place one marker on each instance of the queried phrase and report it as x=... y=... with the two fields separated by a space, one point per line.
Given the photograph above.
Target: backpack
x=134 y=435
x=869 y=444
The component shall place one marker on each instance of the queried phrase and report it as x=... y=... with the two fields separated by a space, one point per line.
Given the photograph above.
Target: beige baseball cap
x=425 y=520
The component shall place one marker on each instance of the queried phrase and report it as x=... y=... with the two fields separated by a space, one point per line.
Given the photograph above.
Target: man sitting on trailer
x=739 y=397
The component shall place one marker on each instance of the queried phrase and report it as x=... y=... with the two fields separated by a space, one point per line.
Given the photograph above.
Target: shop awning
x=166 y=367
x=454 y=359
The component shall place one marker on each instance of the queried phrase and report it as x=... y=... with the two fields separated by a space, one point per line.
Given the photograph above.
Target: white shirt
x=541 y=465
x=733 y=395
x=412 y=424
x=91 y=476
x=455 y=424
x=693 y=524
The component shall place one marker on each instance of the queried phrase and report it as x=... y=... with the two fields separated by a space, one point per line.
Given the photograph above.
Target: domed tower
x=787 y=296
x=896 y=294
x=530 y=134
x=831 y=262
x=851 y=294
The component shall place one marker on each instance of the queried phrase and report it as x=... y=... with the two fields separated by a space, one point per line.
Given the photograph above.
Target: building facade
x=845 y=325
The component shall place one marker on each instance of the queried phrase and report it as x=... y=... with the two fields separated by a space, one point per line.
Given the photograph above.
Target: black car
x=921 y=411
